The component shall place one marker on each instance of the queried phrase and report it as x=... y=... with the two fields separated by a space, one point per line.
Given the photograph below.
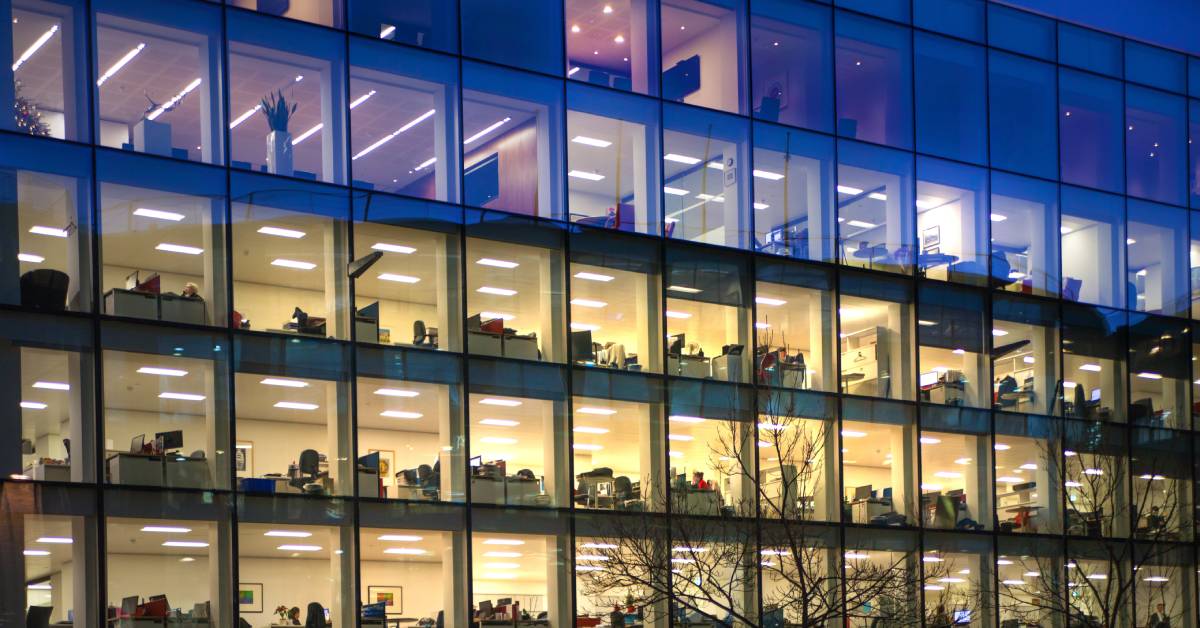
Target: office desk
x=169 y=470
x=689 y=366
x=863 y=510
x=49 y=471
x=697 y=502
x=510 y=491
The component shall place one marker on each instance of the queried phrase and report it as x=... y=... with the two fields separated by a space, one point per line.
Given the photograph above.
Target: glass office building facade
x=554 y=312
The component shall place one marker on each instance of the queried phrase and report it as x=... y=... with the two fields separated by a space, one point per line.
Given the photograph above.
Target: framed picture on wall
x=250 y=597
x=387 y=465
x=243 y=459
x=392 y=598
x=931 y=237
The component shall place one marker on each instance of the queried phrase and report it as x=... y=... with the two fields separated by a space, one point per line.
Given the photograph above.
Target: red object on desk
x=587 y=622
x=153 y=608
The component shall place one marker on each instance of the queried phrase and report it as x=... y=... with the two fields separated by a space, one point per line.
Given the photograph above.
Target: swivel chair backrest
x=315 y=617
x=310 y=462
x=38 y=617
x=45 y=289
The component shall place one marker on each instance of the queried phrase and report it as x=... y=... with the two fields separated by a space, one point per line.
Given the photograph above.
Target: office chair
x=310 y=471
x=315 y=617
x=38 y=617
x=45 y=289
x=423 y=335
x=425 y=480
x=622 y=491
x=441 y=620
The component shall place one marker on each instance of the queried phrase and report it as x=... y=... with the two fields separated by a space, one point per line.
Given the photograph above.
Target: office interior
x=54 y=76
x=54 y=412
x=48 y=231
x=413 y=573
x=1156 y=247
x=1022 y=216
x=952 y=351
x=1097 y=488
x=874 y=226
x=1159 y=357
x=615 y=314
x=1027 y=492
x=610 y=162
x=794 y=331
x=711 y=462
x=876 y=347
x=1092 y=253
x=793 y=208
x=959 y=573
x=1019 y=567
x=1024 y=359
x=617 y=451
x=514 y=300
x=516 y=579
x=609 y=46
x=707 y=315
x=952 y=232
x=705 y=194
x=1094 y=374
x=700 y=59
x=295 y=565
x=956 y=489
x=797 y=467
x=866 y=562
x=518 y=450
x=879 y=472
x=1163 y=587
x=54 y=563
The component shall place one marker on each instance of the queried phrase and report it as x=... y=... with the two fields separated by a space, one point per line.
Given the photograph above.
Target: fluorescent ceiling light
x=166 y=529
x=853 y=434
x=929 y=203
x=181 y=396
x=503 y=542
x=30 y=257
x=291 y=263
x=709 y=197
x=769 y=301
x=400 y=414
x=1130 y=241
x=387 y=31
x=591 y=141
x=501 y=292
x=683 y=418
x=1149 y=376
x=715 y=165
x=585 y=429
x=33 y=405
x=879 y=196
x=681 y=159
x=496 y=263
x=590 y=176
x=285 y=383
x=768 y=175
x=588 y=303
x=296 y=405
x=389 y=137
x=146 y=212
x=116 y=67
x=192 y=544
x=309 y=133
x=593 y=277
x=1095 y=368
x=489 y=129
x=498 y=440
x=399 y=278
x=401 y=538
x=425 y=164
x=500 y=315
x=55 y=540
x=29 y=552
x=178 y=248
x=405 y=551
x=300 y=548
x=281 y=232
x=51 y=385
x=684 y=289
x=845 y=189
x=572 y=71
x=587 y=447
x=675 y=191
x=576 y=326
x=1028 y=466
x=678 y=315
x=761 y=206
x=929 y=440
x=861 y=224
x=33 y=48
x=48 y=231
x=393 y=248
x=1001 y=447
x=948 y=475
x=998 y=217
x=291 y=534
x=499 y=422
x=595 y=411
x=163 y=108
x=599 y=546
x=361 y=99
x=506 y=403
x=678 y=437
x=999 y=332
x=396 y=392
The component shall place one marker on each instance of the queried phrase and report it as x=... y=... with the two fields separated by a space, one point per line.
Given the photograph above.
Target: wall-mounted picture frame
x=391 y=596
x=250 y=597
x=243 y=459
x=387 y=465
x=931 y=237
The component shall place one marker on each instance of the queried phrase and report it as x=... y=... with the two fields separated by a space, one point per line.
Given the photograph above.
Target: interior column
x=559 y=586
x=451 y=455
x=445 y=145
x=653 y=461
x=81 y=371
x=343 y=610
x=220 y=572
x=454 y=580
x=338 y=433
x=556 y=453
x=10 y=228
x=904 y=471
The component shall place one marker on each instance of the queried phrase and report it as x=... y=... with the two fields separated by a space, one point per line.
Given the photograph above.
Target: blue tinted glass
x=425 y=23
x=896 y=10
x=1089 y=50
x=1194 y=76
x=1193 y=135
x=792 y=50
x=1021 y=119
x=703 y=53
x=1155 y=155
x=1024 y=218
x=1090 y=130
x=1157 y=272
x=793 y=189
x=952 y=222
x=1155 y=66
x=950 y=98
x=1093 y=247
x=962 y=18
x=492 y=30
x=875 y=207
x=1020 y=32
x=874 y=81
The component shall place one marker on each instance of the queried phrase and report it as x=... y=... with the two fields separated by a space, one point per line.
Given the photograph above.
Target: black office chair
x=441 y=620
x=45 y=289
x=315 y=617
x=38 y=617
x=310 y=469
x=425 y=479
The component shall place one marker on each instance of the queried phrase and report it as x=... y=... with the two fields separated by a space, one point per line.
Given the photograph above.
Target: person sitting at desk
x=698 y=481
x=316 y=616
x=294 y=616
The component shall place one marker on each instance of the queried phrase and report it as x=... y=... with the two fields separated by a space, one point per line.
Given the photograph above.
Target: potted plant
x=278 y=112
x=150 y=135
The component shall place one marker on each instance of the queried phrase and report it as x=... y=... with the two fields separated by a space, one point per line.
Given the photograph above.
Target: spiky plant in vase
x=278 y=112
x=28 y=118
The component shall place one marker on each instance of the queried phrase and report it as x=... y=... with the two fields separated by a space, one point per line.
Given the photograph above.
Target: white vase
x=279 y=153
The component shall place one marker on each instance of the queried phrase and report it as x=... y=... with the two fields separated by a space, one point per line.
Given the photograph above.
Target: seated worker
x=698 y=481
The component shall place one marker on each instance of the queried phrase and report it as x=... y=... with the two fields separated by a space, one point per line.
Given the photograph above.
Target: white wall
x=717 y=48
x=184 y=583
x=421 y=582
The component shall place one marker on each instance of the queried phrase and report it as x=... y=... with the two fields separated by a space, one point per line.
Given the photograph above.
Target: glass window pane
x=323 y=12
x=792 y=50
x=797 y=456
x=612 y=160
x=895 y=10
x=268 y=64
x=615 y=301
x=1091 y=130
x=875 y=207
x=957 y=572
x=794 y=326
x=1159 y=357
x=952 y=224
x=1096 y=480
x=952 y=346
x=1165 y=580
x=702 y=484
x=702 y=53
x=512 y=151
x=413 y=571
x=49 y=61
x=1093 y=363
x=1156 y=67
x=1157 y=246
x=707 y=313
x=793 y=193
x=162 y=241
x=961 y=18
x=611 y=45
x=874 y=81
x=1021 y=31
x=879 y=462
x=169 y=54
x=611 y=444
x=425 y=23
x=1093 y=256
x=48 y=224
x=876 y=334
x=1089 y=50
x=1154 y=149
x=704 y=176
x=1024 y=217
x=1028 y=475
x=544 y=550
x=1025 y=596
x=403 y=127
x=880 y=570
x=288 y=272
x=1160 y=467
x=1023 y=132
x=950 y=98
x=956 y=486
x=488 y=28
x=1024 y=355
x=318 y=557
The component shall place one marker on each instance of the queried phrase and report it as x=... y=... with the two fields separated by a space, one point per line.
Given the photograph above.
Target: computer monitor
x=477 y=461
x=678 y=342
x=1095 y=394
x=167 y=441
x=137 y=443
x=326 y=614
x=129 y=605
x=862 y=492
x=485 y=609
x=581 y=346
x=928 y=379
x=371 y=312
x=369 y=461
x=962 y=617
x=504 y=601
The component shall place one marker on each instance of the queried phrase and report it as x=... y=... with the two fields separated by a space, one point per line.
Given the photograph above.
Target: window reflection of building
x=873 y=208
